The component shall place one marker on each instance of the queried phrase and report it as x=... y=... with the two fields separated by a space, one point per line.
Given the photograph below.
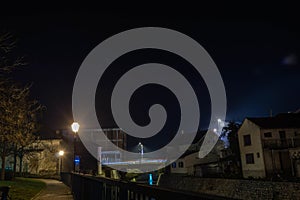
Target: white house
x=270 y=146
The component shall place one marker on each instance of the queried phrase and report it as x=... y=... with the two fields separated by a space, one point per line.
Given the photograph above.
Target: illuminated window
x=249 y=158
x=247 y=140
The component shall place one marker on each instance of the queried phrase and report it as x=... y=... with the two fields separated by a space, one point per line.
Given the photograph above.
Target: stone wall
x=234 y=188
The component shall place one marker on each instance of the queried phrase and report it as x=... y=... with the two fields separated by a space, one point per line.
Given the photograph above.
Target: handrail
x=281 y=143
x=91 y=187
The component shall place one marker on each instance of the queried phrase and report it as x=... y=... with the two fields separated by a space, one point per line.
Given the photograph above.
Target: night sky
x=258 y=60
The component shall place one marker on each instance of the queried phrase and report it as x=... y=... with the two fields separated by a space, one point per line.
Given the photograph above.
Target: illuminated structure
x=75 y=128
x=107 y=154
x=60 y=155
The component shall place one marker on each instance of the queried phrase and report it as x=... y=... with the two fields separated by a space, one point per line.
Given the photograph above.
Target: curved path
x=54 y=190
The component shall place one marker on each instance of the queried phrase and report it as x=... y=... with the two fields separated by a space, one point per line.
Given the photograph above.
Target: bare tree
x=18 y=113
x=27 y=126
x=9 y=100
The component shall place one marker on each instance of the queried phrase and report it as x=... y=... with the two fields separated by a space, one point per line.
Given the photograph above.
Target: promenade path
x=54 y=190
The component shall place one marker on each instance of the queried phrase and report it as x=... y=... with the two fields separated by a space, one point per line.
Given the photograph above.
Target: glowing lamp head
x=219 y=120
x=215 y=130
x=61 y=153
x=75 y=127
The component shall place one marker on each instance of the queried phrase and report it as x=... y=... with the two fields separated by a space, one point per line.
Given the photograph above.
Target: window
x=268 y=134
x=249 y=158
x=180 y=164
x=282 y=135
x=247 y=140
x=173 y=165
x=258 y=155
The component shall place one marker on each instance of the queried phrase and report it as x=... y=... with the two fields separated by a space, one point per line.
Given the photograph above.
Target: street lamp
x=60 y=154
x=75 y=128
x=141 y=149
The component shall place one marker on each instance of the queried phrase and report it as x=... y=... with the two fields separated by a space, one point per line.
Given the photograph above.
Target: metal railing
x=281 y=143
x=85 y=187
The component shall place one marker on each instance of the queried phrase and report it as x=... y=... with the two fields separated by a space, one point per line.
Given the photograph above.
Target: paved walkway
x=54 y=190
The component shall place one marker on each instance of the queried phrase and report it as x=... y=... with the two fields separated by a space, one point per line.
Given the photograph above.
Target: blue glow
x=150 y=179
x=77 y=159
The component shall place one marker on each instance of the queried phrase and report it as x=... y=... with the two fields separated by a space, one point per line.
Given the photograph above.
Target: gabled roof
x=284 y=120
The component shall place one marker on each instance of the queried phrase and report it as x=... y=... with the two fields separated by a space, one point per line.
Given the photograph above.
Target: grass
x=23 y=188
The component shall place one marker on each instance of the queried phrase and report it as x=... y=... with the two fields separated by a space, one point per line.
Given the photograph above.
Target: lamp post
x=75 y=128
x=141 y=150
x=60 y=155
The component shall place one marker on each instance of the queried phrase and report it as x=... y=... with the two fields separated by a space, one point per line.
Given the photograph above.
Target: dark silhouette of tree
x=231 y=132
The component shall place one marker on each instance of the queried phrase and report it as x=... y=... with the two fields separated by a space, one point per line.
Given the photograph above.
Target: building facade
x=42 y=158
x=270 y=146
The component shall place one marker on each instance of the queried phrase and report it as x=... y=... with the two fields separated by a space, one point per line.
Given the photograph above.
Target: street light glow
x=75 y=127
x=141 y=148
x=61 y=153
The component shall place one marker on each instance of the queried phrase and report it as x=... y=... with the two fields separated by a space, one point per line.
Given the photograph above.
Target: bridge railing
x=85 y=187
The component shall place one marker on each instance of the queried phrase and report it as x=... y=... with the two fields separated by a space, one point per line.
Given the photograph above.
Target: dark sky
x=258 y=59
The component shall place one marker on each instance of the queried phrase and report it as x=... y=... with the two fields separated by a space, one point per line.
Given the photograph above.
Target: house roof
x=284 y=120
x=196 y=148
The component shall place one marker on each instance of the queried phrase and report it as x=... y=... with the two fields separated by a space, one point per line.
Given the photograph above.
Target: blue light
x=77 y=159
x=150 y=179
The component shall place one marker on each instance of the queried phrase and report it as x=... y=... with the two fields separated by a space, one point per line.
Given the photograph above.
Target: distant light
x=61 y=153
x=215 y=130
x=77 y=160
x=142 y=149
x=75 y=127
x=219 y=120
x=150 y=179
